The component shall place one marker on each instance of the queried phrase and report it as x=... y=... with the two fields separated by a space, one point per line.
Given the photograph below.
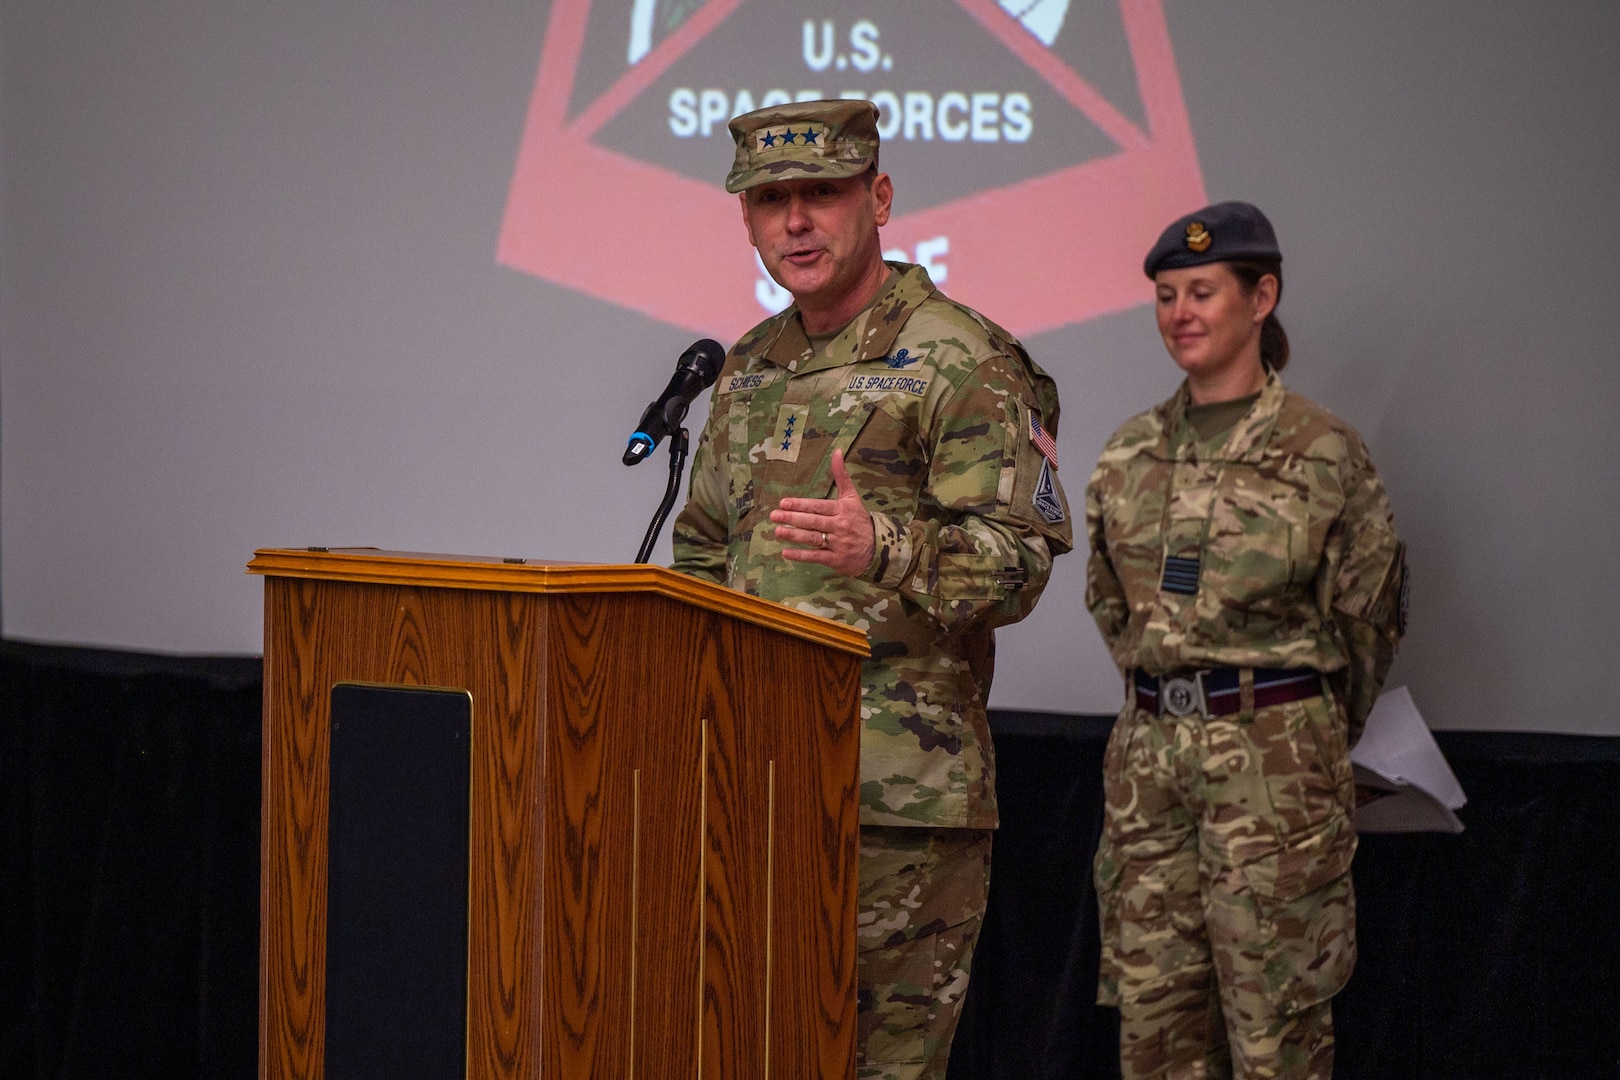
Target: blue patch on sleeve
x=1047 y=503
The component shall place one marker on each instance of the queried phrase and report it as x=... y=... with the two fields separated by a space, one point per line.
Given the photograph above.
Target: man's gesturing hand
x=835 y=532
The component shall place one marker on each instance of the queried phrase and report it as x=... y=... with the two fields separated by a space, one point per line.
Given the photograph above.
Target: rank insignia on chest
x=1180 y=576
x=791 y=420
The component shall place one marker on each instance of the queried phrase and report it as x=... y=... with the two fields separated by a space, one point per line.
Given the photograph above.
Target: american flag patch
x=1043 y=441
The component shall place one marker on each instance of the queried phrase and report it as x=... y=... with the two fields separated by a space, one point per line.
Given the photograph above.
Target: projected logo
x=1038 y=147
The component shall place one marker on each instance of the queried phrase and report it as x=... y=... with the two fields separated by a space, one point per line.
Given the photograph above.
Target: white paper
x=1398 y=754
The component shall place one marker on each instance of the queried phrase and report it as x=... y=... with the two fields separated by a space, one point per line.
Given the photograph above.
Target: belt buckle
x=1182 y=696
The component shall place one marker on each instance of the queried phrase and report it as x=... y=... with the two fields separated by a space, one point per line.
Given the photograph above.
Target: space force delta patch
x=1047 y=502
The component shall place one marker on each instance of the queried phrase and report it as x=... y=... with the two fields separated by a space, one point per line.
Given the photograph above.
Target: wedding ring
x=823 y=539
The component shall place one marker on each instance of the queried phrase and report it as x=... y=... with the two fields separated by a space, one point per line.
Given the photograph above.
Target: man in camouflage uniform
x=1247 y=578
x=875 y=454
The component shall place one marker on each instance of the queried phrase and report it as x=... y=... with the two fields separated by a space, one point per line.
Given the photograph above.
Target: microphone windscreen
x=707 y=356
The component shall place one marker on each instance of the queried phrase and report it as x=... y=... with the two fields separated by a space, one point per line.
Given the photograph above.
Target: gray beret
x=1219 y=233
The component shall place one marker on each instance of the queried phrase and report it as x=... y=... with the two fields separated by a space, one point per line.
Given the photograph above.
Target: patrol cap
x=1219 y=233
x=801 y=139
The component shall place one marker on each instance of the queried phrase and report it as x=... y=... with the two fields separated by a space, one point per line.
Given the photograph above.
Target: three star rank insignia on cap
x=1198 y=237
x=773 y=137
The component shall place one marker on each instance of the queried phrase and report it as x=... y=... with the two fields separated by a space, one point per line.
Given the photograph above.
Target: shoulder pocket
x=1371 y=576
x=1029 y=489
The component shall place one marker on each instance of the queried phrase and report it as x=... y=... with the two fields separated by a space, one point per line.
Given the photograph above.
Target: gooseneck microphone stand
x=677 y=464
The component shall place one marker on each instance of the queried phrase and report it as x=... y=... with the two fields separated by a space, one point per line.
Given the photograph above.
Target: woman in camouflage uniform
x=1246 y=575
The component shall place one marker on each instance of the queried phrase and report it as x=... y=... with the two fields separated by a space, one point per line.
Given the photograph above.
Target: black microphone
x=695 y=372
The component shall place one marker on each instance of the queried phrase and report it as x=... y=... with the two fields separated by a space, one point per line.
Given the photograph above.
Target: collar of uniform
x=1247 y=439
x=869 y=336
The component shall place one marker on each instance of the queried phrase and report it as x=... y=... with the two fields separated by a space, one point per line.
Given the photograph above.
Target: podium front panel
x=661 y=824
x=396 y=906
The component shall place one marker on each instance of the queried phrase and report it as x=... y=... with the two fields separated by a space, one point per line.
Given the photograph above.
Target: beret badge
x=1198 y=237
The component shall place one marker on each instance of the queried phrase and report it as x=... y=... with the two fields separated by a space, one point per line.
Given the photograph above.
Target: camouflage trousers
x=922 y=895
x=1223 y=883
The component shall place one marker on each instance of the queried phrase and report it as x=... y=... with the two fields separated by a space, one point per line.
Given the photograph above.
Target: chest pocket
x=808 y=475
x=886 y=457
x=1259 y=539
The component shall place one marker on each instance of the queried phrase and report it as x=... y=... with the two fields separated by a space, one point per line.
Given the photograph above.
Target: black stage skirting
x=129 y=838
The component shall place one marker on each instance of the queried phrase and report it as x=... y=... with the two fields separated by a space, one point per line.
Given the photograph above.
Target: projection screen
x=404 y=275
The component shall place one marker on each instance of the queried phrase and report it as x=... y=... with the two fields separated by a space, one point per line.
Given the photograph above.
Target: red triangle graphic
x=1034 y=255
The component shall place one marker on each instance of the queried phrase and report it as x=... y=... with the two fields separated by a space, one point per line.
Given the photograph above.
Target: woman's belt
x=1219 y=691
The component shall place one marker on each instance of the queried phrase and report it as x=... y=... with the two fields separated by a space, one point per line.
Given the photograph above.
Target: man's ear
x=742 y=201
x=882 y=198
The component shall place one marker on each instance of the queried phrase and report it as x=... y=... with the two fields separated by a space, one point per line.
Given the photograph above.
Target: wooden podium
x=659 y=840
